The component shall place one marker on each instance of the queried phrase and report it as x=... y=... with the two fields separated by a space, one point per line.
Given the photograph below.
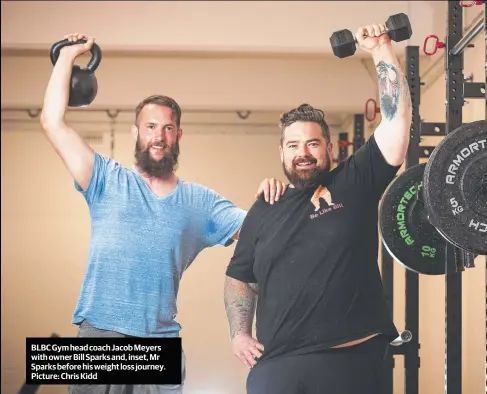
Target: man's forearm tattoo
x=240 y=299
x=389 y=88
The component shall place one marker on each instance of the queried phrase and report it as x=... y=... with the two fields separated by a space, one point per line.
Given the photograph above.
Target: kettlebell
x=84 y=86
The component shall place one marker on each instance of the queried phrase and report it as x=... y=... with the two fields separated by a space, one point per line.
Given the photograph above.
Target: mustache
x=161 y=144
x=306 y=159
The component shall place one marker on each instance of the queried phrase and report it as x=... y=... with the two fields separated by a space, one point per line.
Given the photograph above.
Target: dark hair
x=164 y=101
x=304 y=113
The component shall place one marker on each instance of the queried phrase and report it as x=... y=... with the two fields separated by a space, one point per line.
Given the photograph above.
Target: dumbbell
x=344 y=42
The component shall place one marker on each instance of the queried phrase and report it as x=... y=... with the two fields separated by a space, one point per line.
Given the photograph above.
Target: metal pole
x=241 y=113
x=411 y=357
x=453 y=281
x=358 y=132
x=468 y=38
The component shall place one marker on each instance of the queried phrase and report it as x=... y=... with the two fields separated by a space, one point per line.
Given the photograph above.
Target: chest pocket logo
x=321 y=193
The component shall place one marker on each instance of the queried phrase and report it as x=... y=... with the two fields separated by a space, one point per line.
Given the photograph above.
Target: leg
x=353 y=370
x=316 y=202
x=86 y=330
x=350 y=370
x=280 y=376
x=327 y=197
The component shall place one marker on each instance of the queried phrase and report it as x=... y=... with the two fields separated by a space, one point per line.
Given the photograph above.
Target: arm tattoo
x=406 y=93
x=240 y=299
x=389 y=86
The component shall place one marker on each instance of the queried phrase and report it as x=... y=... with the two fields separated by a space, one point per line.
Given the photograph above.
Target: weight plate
x=405 y=230
x=455 y=187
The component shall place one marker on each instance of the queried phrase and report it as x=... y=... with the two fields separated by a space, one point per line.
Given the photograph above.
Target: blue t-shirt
x=140 y=246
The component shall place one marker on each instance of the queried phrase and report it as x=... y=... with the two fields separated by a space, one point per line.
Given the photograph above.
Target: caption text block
x=103 y=361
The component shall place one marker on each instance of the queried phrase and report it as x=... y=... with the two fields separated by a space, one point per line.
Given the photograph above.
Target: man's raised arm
x=392 y=134
x=76 y=154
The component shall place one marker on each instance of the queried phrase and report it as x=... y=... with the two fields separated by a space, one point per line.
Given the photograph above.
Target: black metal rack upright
x=457 y=90
x=453 y=281
x=343 y=143
x=387 y=274
x=411 y=350
x=356 y=143
x=358 y=132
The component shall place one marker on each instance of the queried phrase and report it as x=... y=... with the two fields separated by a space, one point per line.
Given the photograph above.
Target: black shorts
x=351 y=370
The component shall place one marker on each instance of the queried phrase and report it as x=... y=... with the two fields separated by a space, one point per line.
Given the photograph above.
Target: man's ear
x=281 y=153
x=135 y=132
x=330 y=149
x=180 y=134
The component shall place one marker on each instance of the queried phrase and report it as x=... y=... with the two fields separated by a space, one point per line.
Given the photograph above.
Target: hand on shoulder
x=272 y=189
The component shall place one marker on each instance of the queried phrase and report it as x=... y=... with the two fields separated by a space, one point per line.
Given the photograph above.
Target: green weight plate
x=405 y=230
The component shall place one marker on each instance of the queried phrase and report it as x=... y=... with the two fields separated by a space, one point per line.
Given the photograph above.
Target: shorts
x=351 y=370
x=86 y=330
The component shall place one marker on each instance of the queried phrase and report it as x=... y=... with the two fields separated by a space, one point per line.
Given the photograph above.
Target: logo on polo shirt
x=322 y=193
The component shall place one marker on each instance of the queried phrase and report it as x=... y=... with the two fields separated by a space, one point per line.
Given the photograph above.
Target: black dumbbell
x=344 y=43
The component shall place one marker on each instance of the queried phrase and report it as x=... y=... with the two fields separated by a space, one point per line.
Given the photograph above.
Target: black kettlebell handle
x=95 y=53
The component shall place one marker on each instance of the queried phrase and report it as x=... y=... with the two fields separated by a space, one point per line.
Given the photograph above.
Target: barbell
x=443 y=201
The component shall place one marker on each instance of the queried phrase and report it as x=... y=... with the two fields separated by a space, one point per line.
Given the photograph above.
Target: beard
x=304 y=178
x=157 y=168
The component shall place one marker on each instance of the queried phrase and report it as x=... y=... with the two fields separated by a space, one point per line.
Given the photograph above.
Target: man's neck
x=160 y=185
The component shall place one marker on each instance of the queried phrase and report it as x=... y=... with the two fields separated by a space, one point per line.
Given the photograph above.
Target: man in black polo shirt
x=322 y=323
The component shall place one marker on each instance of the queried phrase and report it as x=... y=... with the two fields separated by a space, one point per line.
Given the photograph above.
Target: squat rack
x=457 y=90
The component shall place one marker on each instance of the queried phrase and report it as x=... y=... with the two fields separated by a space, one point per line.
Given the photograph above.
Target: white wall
x=215 y=83
x=209 y=26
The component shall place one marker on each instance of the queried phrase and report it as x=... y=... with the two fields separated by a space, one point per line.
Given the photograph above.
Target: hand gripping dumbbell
x=344 y=43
